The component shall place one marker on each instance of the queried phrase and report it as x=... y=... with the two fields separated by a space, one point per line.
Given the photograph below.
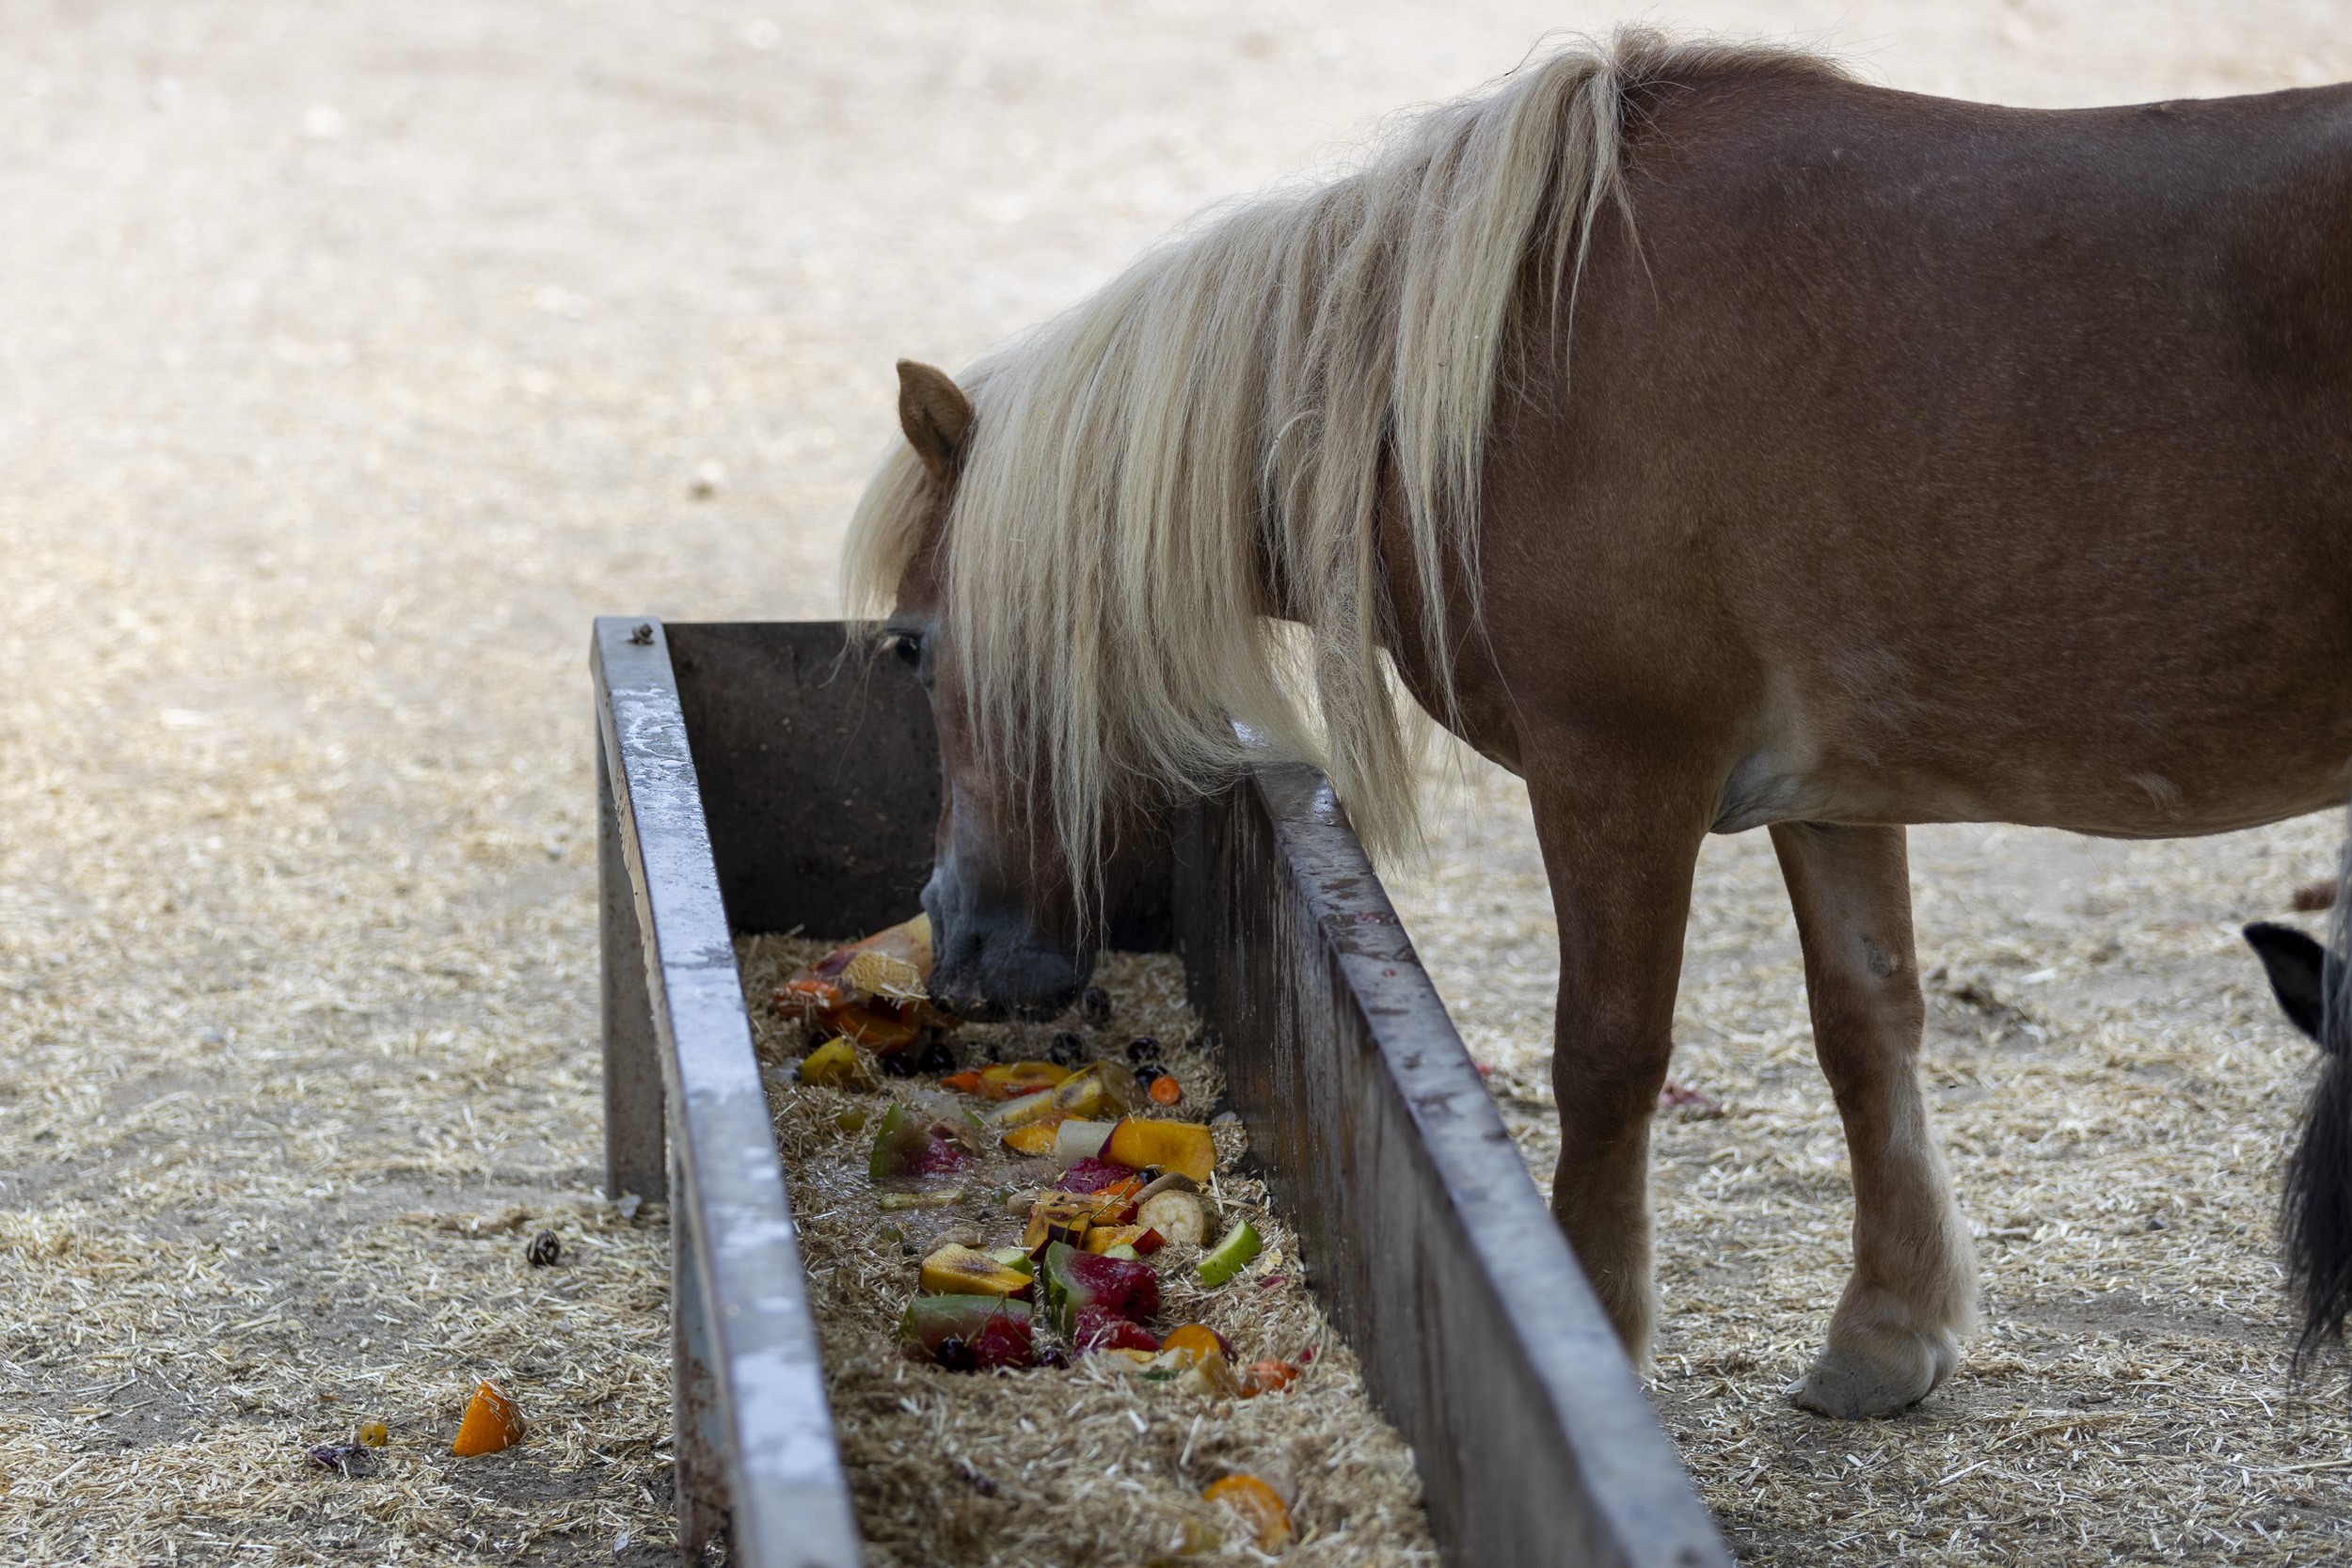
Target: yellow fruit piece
x=1011 y=1080
x=1029 y=1108
x=963 y=1271
x=1059 y=1217
x=881 y=973
x=1036 y=1139
x=373 y=1435
x=1194 y=1339
x=1259 y=1506
x=834 y=1066
x=1184 y=1147
x=491 y=1423
x=1102 y=1238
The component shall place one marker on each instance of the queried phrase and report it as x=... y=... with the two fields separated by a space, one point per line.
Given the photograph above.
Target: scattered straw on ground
x=1084 y=1465
x=2113 y=1087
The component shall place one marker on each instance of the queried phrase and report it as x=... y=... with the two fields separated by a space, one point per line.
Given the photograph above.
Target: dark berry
x=545 y=1249
x=1051 y=1355
x=938 y=1057
x=1143 y=1048
x=957 y=1357
x=1068 y=1050
x=899 y=1064
x=1096 y=1004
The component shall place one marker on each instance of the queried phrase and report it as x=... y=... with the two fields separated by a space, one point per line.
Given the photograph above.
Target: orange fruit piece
x=1165 y=1091
x=966 y=1082
x=491 y=1423
x=1035 y=1138
x=1194 y=1339
x=1259 y=1506
x=1267 y=1377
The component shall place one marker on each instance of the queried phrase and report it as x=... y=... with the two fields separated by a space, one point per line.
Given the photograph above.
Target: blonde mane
x=1145 y=469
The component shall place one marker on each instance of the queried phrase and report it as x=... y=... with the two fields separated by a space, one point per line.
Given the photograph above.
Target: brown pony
x=1922 y=462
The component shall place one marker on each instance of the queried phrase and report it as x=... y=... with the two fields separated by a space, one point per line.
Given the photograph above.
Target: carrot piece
x=1165 y=1091
x=491 y=1423
x=1259 y=1506
x=966 y=1082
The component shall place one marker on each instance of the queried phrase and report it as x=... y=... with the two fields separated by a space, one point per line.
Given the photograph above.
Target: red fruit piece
x=1092 y=1176
x=1095 y=1328
x=1076 y=1280
x=992 y=1333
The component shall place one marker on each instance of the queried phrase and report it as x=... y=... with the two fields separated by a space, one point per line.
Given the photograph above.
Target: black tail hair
x=2315 y=1201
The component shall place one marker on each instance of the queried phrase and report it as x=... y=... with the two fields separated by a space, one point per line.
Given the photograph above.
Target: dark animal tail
x=2315 y=1204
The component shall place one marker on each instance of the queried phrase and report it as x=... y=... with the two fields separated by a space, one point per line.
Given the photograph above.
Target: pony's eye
x=908 y=646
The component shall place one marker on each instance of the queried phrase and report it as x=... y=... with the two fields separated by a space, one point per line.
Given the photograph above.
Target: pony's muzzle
x=991 y=961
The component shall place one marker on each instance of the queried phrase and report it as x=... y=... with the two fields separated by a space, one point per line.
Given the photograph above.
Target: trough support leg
x=698 y=1448
x=633 y=1160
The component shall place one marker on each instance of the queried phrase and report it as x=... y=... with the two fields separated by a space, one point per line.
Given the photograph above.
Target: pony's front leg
x=1619 y=855
x=1895 y=1335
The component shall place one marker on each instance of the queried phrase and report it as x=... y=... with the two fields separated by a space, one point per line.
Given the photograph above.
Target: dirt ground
x=353 y=355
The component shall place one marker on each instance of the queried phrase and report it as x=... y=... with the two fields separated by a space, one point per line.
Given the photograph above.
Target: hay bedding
x=2114 y=1091
x=1081 y=1466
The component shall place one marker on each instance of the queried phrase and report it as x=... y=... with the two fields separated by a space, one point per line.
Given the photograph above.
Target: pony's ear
x=2296 y=965
x=936 y=416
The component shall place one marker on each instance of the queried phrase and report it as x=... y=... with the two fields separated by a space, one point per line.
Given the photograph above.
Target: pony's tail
x=2316 y=1205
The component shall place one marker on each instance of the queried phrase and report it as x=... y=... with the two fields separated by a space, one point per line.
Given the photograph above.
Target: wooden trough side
x=755 y=1458
x=752 y=780
x=1433 y=1252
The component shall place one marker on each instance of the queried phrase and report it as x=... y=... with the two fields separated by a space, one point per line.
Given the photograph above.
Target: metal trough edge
x=1531 y=1434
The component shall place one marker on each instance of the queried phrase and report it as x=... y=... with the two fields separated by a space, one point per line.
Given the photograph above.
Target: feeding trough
x=751 y=778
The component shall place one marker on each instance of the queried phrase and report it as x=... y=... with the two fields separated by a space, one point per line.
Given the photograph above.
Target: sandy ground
x=353 y=355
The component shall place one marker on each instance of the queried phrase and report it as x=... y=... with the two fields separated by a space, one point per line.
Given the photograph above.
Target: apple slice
x=1230 y=1255
x=1091 y=1175
x=1094 y=1328
x=967 y=1333
x=963 y=1271
x=906 y=1144
x=1184 y=1147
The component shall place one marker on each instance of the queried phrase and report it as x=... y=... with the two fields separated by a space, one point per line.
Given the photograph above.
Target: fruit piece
x=1096 y=1003
x=1029 y=1108
x=1093 y=1328
x=990 y=1331
x=1165 y=1091
x=1228 y=1257
x=1068 y=1049
x=491 y=1423
x=1090 y=1175
x=1078 y=1141
x=1015 y=1259
x=1143 y=1048
x=851 y=1121
x=1195 y=1340
x=374 y=1434
x=1103 y=1238
x=1178 y=1216
x=1059 y=1217
x=1267 y=1377
x=966 y=1082
x=834 y=1065
x=1259 y=1507
x=1011 y=1080
x=1035 y=1139
x=963 y=1271
x=870 y=1026
x=940 y=1197
x=1075 y=1279
x=907 y=1144
x=1184 y=1147
x=1124 y=1252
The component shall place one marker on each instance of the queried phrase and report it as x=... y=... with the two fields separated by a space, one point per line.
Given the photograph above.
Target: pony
x=1716 y=442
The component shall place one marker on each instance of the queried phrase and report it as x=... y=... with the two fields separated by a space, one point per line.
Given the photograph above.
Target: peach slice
x=1259 y=1506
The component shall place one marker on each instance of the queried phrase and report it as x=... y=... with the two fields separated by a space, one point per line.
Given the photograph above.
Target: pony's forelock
x=1148 y=472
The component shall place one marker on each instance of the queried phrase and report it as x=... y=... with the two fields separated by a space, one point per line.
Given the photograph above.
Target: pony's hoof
x=1846 y=1384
